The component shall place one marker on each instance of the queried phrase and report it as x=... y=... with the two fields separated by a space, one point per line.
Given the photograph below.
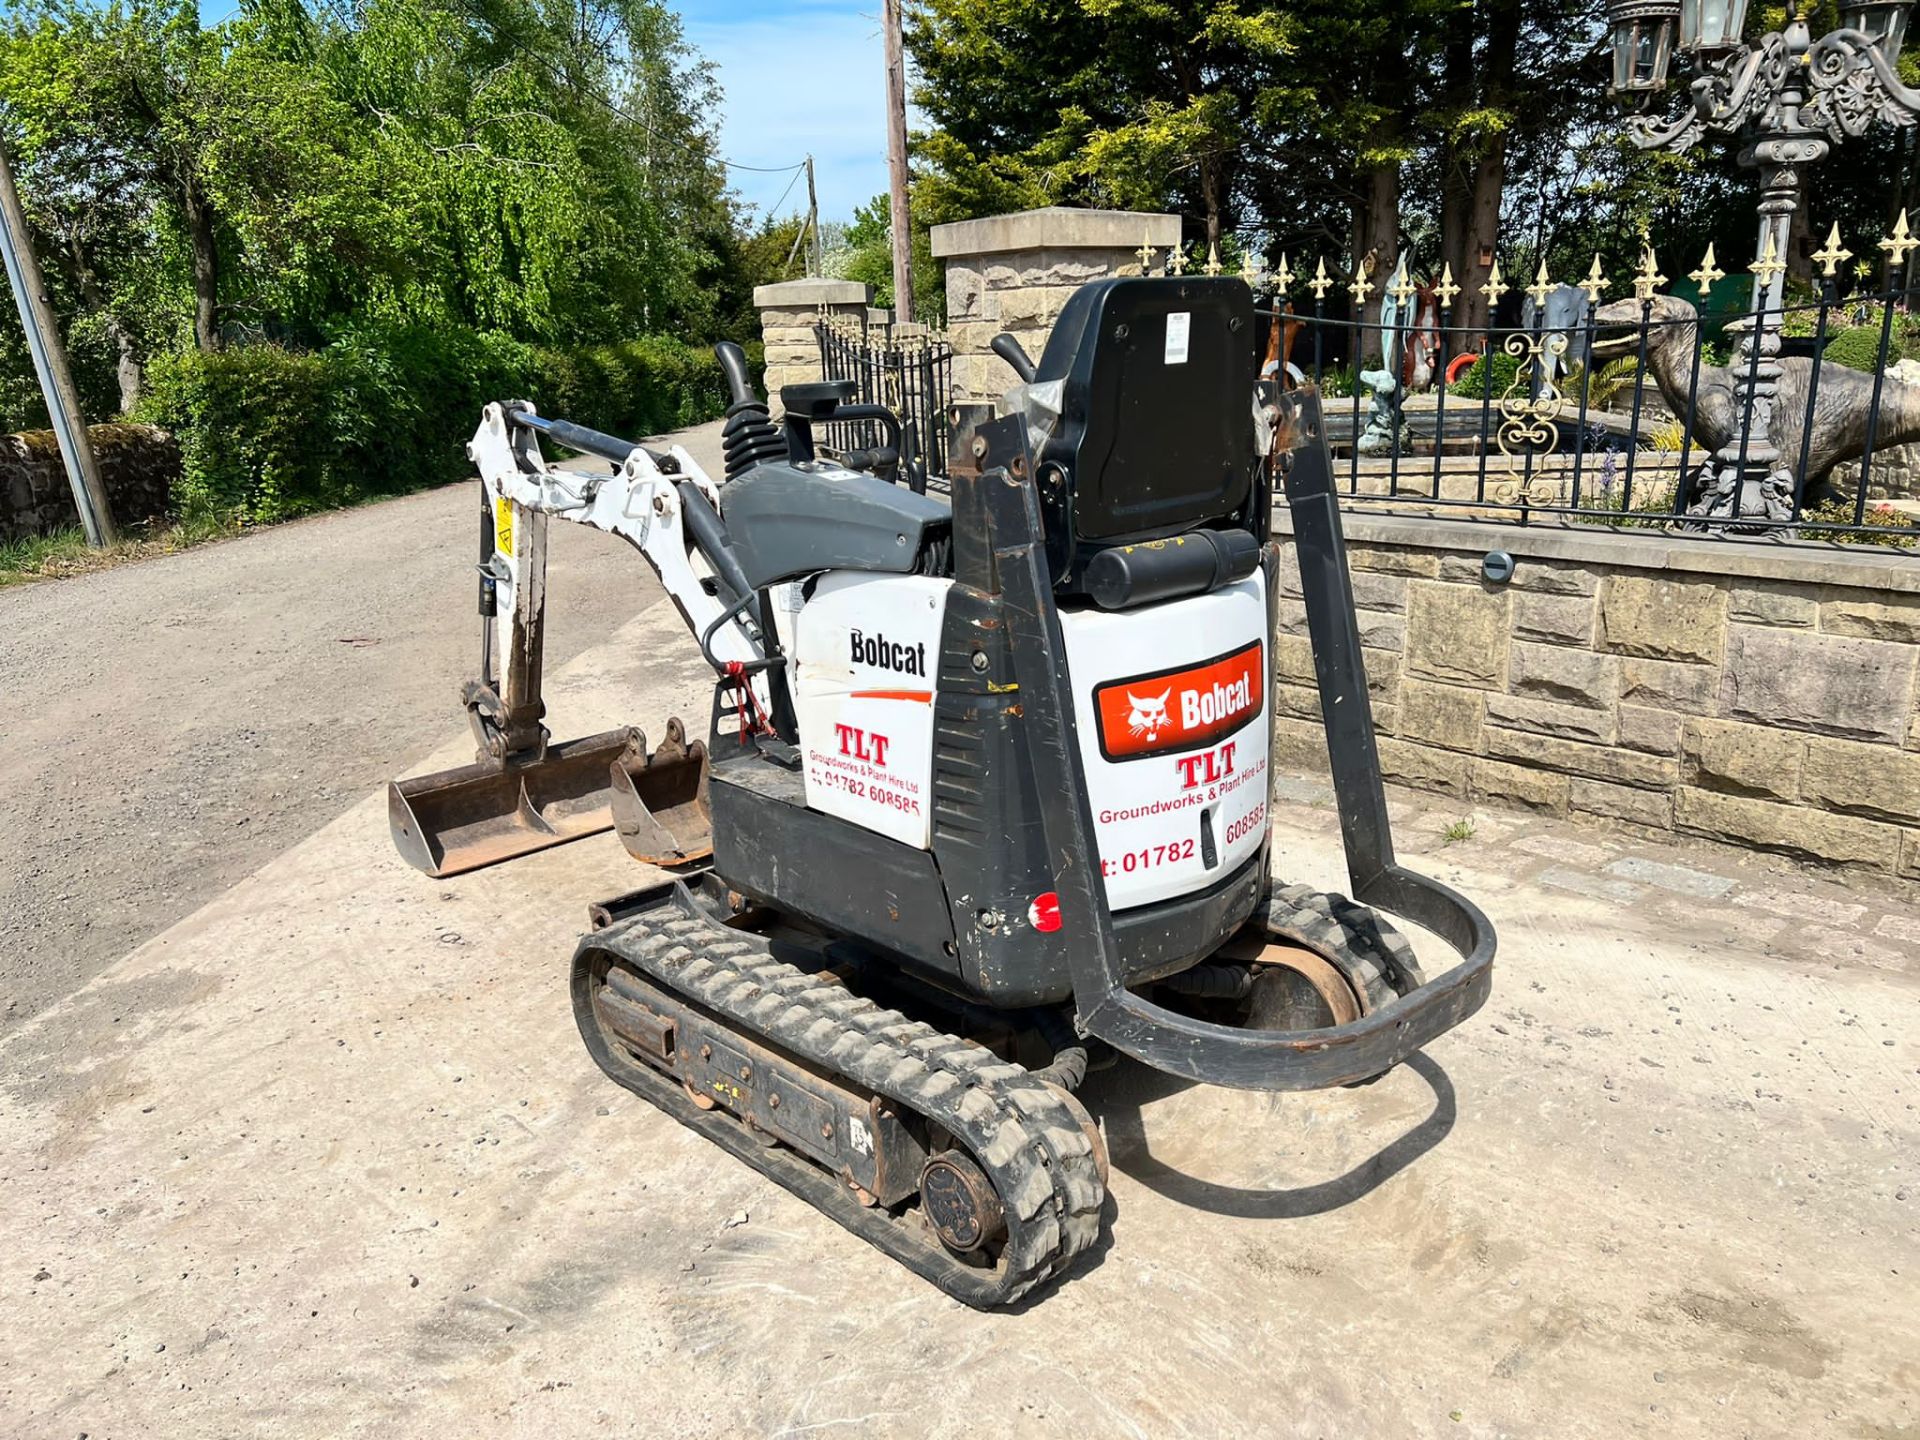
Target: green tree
x=1106 y=102
x=540 y=168
x=865 y=253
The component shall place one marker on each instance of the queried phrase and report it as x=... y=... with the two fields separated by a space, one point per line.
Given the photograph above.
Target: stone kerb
x=788 y=313
x=1765 y=700
x=1015 y=272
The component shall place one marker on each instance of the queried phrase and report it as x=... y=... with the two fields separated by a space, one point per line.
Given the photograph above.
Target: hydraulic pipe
x=588 y=441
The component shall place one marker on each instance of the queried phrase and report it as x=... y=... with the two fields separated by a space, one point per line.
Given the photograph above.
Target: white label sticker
x=1178 y=323
x=859 y=1136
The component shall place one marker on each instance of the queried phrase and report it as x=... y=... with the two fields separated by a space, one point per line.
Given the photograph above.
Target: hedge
x=1859 y=347
x=268 y=433
x=1504 y=368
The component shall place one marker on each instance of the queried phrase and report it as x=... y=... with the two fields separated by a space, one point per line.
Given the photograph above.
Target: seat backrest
x=1155 y=432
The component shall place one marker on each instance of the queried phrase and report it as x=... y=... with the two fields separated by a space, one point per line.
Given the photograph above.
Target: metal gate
x=906 y=368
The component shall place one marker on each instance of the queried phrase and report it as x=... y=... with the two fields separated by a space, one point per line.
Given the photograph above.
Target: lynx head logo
x=1148 y=717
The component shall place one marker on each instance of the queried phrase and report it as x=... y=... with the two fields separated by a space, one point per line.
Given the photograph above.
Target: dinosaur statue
x=1839 y=413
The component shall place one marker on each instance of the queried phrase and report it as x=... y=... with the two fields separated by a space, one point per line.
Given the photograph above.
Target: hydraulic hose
x=1212 y=982
x=1069 y=1064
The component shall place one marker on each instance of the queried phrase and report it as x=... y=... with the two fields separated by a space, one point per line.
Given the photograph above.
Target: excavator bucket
x=660 y=807
x=458 y=820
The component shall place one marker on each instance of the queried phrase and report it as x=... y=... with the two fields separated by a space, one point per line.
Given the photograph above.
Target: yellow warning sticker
x=503 y=526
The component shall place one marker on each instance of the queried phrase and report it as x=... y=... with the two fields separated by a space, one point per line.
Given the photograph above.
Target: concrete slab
x=1680 y=879
x=327 y=1158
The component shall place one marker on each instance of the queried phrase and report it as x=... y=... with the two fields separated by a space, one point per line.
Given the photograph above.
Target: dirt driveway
x=167 y=727
x=327 y=1158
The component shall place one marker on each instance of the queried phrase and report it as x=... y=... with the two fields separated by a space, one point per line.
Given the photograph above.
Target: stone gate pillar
x=788 y=313
x=1014 y=272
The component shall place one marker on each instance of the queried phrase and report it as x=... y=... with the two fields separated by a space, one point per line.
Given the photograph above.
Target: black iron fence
x=1638 y=413
x=903 y=367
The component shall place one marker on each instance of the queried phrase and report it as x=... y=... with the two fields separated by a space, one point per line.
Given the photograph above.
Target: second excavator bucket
x=458 y=820
x=660 y=807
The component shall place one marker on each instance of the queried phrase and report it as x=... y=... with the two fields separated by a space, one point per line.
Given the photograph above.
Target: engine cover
x=865 y=652
x=1171 y=703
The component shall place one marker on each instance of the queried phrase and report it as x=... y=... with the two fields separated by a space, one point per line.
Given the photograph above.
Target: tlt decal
x=1209 y=767
x=861 y=744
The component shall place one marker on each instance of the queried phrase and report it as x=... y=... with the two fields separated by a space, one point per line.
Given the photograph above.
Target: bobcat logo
x=1148 y=717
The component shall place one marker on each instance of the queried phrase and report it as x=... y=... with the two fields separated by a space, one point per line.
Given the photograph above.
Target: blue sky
x=799 y=76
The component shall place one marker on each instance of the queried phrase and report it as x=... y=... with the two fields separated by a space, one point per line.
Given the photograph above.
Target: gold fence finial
x=1177 y=261
x=1145 y=252
x=1446 y=289
x=1360 y=288
x=1213 y=257
x=1898 y=244
x=1541 y=287
x=1495 y=286
x=1770 y=265
x=1648 y=279
x=1249 y=271
x=1708 y=272
x=1283 y=277
x=1595 y=281
x=1831 y=256
x=1403 y=287
x=1321 y=282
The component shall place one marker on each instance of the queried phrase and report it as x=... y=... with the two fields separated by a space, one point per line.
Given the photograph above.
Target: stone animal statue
x=1839 y=414
x=1423 y=340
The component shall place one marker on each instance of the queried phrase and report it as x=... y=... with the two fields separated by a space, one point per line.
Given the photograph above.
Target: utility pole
x=902 y=223
x=50 y=365
x=814 y=248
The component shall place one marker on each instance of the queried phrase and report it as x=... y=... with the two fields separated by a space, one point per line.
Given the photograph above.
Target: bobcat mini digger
x=984 y=791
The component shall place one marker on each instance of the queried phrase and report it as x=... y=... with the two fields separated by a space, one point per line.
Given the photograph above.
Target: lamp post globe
x=1642 y=37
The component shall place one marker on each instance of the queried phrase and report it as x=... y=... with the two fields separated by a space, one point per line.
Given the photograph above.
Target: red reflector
x=1044 y=913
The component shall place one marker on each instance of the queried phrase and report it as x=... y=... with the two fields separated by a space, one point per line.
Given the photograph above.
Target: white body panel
x=1172 y=705
x=865 y=650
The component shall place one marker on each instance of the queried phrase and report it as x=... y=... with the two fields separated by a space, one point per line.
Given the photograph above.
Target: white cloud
x=808 y=79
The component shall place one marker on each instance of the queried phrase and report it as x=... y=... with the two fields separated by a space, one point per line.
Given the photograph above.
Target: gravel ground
x=328 y=1158
x=171 y=725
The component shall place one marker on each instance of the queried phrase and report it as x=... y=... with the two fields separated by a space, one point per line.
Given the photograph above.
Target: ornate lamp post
x=1790 y=98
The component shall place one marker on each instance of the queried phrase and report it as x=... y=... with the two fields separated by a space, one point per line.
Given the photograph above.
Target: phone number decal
x=1147 y=857
x=871 y=791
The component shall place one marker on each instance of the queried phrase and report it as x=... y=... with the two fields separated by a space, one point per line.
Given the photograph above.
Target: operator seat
x=1141 y=414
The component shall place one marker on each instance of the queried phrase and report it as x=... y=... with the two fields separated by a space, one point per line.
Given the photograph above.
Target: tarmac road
x=168 y=726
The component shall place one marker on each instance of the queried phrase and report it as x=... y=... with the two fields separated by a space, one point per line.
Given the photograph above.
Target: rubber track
x=1024 y=1134
x=1369 y=949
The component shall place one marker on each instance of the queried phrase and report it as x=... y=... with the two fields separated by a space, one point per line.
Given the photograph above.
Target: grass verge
x=65 y=552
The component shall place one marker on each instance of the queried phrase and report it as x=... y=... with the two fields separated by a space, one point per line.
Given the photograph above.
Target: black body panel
x=786 y=520
x=770 y=847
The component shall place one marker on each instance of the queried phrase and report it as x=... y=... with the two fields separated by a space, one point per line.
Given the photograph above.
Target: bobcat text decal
x=1179 y=710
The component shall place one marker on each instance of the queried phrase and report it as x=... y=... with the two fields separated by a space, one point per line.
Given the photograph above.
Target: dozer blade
x=660 y=806
x=459 y=820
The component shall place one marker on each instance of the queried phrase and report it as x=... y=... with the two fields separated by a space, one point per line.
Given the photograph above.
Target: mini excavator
x=983 y=797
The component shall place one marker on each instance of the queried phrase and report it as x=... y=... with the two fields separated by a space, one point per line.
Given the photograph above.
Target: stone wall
x=138 y=465
x=1014 y=272
x=1750 y=694
x=788 y=313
